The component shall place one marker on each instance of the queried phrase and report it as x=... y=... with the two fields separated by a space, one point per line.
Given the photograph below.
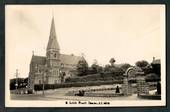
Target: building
x=156 y=66
x=54 y=67
x=156 y=61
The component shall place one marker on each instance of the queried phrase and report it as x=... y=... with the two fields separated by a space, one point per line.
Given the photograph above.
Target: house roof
x=41 y=60
x=65 y=59
x=70 y=59
x=156 y=61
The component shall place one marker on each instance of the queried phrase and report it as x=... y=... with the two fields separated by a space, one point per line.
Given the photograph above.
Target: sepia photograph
x=85 y=55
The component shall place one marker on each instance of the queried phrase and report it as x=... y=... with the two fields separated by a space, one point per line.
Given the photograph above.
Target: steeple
x=52 y=42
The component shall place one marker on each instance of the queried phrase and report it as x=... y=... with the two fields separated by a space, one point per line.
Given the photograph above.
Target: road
x=59 y=94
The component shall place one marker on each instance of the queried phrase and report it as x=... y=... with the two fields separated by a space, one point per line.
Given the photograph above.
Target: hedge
x=39 y=87
x=96 y=77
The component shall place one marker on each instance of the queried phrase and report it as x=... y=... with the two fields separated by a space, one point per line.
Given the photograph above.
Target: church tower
x=53 y=56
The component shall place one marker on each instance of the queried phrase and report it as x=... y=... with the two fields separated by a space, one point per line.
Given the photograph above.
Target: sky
x=128 y=33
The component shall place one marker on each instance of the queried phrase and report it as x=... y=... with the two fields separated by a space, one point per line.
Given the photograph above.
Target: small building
x=156 y=61
x=156 y=66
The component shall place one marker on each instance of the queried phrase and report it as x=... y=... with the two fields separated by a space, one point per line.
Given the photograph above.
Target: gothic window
x=36 y=68
x=55 y=72
x=39 y=81
x=55 y=55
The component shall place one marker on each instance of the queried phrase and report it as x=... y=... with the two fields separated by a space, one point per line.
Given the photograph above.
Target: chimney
x=153 y=58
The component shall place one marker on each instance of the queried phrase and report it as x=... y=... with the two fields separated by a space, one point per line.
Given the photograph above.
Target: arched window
x=55 y=55
x=39 y=81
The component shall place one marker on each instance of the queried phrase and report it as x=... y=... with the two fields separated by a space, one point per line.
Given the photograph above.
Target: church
x=54 y=67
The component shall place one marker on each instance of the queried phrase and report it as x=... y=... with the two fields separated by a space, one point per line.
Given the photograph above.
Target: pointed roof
x=64 y=58
x=52 y=42
x=52 y=30
x=41 y=60
x=70 y=59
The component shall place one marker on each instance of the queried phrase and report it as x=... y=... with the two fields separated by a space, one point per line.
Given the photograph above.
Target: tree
x=100 y=69
x=82 y=68
x=116 y=70
x=107 y=68
x=142 y=63
x=148 y=69
x=112 y=61
x=125 y=66
x=95 y=62
x=152 y=77
x=145 y=66
x=94 y=68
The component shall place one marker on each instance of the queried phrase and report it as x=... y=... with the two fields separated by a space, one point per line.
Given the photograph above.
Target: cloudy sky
x=126 y=32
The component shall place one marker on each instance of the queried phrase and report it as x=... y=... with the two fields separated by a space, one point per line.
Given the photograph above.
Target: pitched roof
x=70 y=59
x=65 y=59
x=53 y=43
x=156 y=61
x=41 y=60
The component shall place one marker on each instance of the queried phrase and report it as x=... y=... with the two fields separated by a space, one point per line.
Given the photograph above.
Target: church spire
x=52 y=43
x=52 y=30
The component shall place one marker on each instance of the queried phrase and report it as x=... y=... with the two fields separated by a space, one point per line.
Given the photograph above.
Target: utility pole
x=43 y=81
x=16 y=81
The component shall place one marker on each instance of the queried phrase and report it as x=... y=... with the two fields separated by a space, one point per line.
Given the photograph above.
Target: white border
x=122 y=103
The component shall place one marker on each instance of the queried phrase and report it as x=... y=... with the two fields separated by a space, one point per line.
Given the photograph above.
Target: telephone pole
x=16 y=81
x=43 y=82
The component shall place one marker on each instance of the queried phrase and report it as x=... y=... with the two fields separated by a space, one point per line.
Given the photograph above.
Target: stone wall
x=142 y=86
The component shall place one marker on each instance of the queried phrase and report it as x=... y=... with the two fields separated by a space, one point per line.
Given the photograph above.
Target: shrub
x=39 y=87
x=152 y=77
